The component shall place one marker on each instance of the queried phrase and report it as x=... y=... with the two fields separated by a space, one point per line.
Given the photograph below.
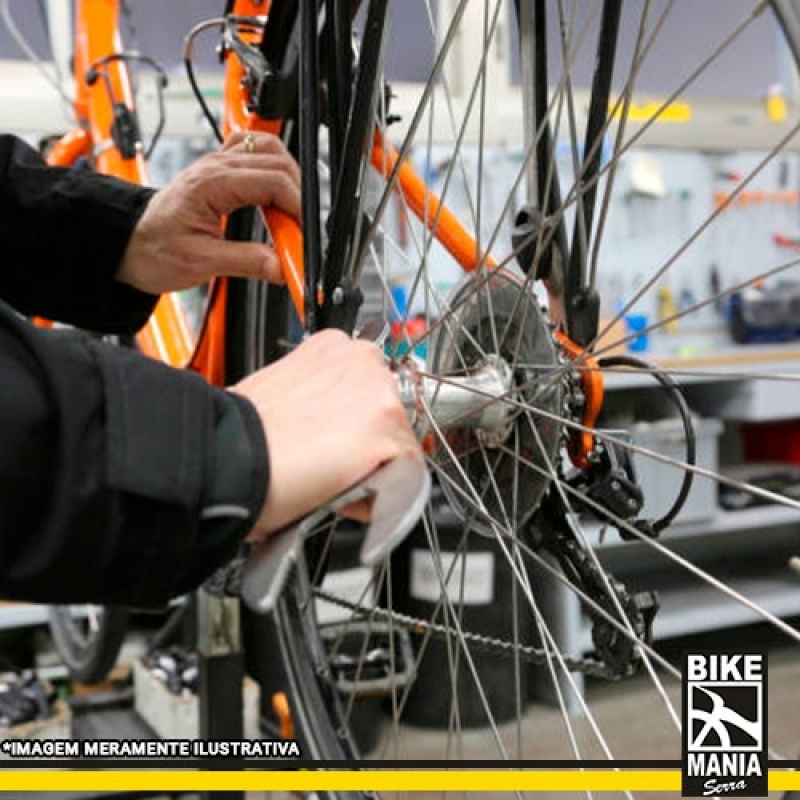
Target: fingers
x=253 y=182
x=250 y=169
x=260 y=144
x=360 y=511
x=333 y=342
x=177 y=242
x=244 y=260
x=384 y=399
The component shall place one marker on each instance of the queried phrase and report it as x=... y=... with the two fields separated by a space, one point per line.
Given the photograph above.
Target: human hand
x=332 y=415
x=179 y=241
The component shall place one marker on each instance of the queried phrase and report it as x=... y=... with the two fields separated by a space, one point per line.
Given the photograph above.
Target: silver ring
x=249 y=143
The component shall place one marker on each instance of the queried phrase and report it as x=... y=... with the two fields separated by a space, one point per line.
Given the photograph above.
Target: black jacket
x=121 y=480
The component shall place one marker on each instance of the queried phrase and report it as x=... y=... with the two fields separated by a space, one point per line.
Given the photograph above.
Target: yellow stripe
x=357 y=780
x=784 y=781
x=674 y=112
x=361 y=780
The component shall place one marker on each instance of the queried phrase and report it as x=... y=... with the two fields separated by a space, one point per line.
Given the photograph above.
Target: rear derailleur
x=621 y=620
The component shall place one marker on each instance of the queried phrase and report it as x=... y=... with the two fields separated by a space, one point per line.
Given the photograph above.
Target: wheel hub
x=498 y=473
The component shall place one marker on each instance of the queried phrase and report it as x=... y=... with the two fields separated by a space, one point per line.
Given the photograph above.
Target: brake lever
x=398 y=491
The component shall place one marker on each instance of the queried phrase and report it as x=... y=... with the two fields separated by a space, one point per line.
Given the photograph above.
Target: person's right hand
x=332 y=415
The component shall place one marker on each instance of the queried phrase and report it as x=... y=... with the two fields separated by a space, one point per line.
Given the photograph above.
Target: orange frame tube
x=209 y=357
x=285 y=231
x=581 y=443
x=427 y=207
x=166 y=335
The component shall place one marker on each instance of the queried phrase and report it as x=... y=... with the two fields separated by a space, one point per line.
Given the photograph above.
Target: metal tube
x=460 y=401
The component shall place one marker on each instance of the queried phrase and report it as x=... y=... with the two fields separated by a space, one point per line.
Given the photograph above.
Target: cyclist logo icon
x=733 y=721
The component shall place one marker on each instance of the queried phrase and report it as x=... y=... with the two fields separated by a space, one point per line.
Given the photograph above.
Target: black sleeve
x=63 y=233
x=122 y=481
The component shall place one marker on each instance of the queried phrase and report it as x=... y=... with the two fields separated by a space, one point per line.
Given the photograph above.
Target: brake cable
x=677 y=397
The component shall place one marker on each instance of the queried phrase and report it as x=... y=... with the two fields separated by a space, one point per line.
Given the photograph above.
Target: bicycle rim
x=515 y=622
x=280 y=650
x=88 y=638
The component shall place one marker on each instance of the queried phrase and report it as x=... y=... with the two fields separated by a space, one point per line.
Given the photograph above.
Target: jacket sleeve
x=122 y=481
x=63 y=233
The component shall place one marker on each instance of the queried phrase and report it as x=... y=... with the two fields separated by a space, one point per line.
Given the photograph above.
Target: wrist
x=235 y=487
x=137 y=251
x=240 y=461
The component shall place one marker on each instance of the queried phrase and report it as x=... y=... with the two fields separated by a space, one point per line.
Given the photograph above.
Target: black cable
x=207 y=113
x=162 y=81
x=227 y=26
x=686 y=418
x=309 y=114
x=161 y=84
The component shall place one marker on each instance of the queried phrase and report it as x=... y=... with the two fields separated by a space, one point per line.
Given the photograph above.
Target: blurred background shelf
x=20 y=615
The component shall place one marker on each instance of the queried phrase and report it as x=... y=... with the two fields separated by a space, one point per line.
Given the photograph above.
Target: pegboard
x=649 y=225
x=661 y=200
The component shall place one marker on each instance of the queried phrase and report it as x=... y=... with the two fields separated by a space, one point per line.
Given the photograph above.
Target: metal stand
x=221 y=673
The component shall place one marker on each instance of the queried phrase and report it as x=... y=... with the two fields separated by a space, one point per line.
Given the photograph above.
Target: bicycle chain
x=487 y=644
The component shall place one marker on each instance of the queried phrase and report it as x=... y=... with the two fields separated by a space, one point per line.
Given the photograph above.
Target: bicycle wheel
x=567 y=197
x=88 y=638
x=279 y=650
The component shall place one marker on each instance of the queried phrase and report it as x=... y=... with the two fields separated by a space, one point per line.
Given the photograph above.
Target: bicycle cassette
x=500 y=476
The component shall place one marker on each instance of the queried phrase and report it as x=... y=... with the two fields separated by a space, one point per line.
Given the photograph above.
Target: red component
x=778 y=440
x=413 y=328
x=785 y=241
x=733 y=177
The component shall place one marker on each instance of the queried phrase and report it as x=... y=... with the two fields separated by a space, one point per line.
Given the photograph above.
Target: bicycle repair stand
x=221 y=666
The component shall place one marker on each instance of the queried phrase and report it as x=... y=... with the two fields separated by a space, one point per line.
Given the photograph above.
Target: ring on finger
x=249 y=143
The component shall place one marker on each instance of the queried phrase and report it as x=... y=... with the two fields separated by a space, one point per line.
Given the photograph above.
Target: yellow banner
x=361 y=780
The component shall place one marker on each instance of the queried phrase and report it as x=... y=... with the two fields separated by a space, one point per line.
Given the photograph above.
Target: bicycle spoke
x=513 y=476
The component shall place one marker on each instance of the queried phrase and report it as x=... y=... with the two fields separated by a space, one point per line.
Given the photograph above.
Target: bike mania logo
x=724 y=725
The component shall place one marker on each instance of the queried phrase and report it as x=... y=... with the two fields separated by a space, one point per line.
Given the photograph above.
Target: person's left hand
x=179 y=242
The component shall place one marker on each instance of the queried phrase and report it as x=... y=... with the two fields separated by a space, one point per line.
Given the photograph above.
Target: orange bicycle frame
x=420 y=200
x=237 y=117
x=286 y=233
x=166 y=336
